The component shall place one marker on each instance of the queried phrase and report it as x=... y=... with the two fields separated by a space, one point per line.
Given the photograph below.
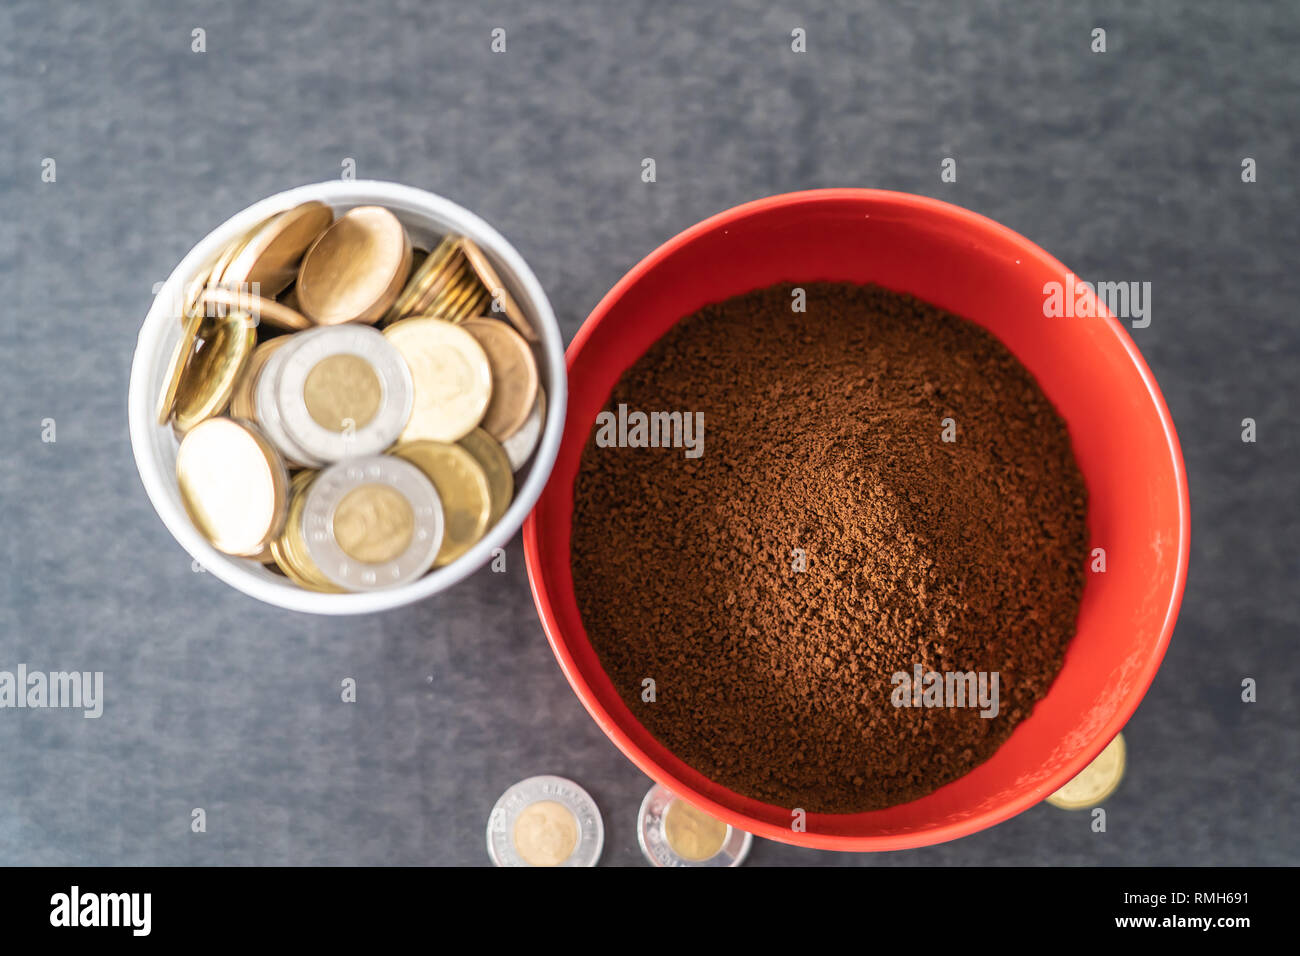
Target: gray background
x=1125 y=165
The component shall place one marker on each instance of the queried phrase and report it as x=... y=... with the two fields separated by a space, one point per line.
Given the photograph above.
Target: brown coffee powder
x=827 y=539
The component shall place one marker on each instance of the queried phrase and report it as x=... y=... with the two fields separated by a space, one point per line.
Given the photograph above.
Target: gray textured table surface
x=1125 y=165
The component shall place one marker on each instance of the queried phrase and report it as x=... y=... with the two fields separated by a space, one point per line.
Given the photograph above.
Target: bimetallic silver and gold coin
x=233 y=485
x=243 y=400
x=344 y=392
x=290 y=551
x=267 y=407
x=545 y=821
x=452 y=376
x=372 y=523
x=356 y=269
x=462 y=488
x=1095 y=782
x=492 y=458
x=520 y=446
x=673 y=832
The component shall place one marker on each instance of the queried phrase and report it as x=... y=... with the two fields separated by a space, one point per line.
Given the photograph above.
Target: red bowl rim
x=927 y=836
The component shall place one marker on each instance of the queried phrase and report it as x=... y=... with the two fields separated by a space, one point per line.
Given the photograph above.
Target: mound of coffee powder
x=827 y=539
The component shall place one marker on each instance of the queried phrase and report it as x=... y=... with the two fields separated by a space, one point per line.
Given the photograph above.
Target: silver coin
x=590 y=828
x=266 y=407
x=653 y=837
x=329 y=490
x=396 y=393
x=521 y=445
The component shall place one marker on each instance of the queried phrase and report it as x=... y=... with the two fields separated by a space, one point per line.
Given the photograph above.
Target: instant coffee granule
x=828 y=539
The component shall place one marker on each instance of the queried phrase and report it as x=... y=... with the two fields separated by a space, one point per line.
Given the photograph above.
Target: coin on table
x=492 y=458
x=514 y=376
x=290 y=550
x=502 y=300
x=673 y=832
x=452 y=375
x=267 y=408
x=521 y=445
x=344 y=392
x=218 y=300
x=180 y=360
x=462 y=488
x=233 y=485
x=269 y=259
x=545 y=821
x=1095 y=782
x=372 y=523
x=243 y=400
x=356 y=269
x=225 y=345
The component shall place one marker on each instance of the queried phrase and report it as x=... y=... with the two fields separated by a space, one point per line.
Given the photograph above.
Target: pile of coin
x=351 y=409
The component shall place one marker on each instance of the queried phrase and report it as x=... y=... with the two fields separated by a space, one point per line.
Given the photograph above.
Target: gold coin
x=1095 y=782
x=692 y=833
x=497 y=290
x=243 y=403
x=455 y=274
x=208 y=276
x=374 y=524
x=458 y=302
x=355 y=271
x=180 y=360
x=209 y=378
x=494 y=461
x=269 y=260
x=193 y=289
x=545 y=833
x=471 y=308
x=233 y=485
x=227 y=253
x=443 y=258
x=219 y=301
x=452 y=376
x=342 y=388
x=514 y=376
x=462 y=487
x=437 y=268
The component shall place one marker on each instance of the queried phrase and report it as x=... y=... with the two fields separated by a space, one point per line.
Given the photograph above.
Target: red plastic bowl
x=1123 y=438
